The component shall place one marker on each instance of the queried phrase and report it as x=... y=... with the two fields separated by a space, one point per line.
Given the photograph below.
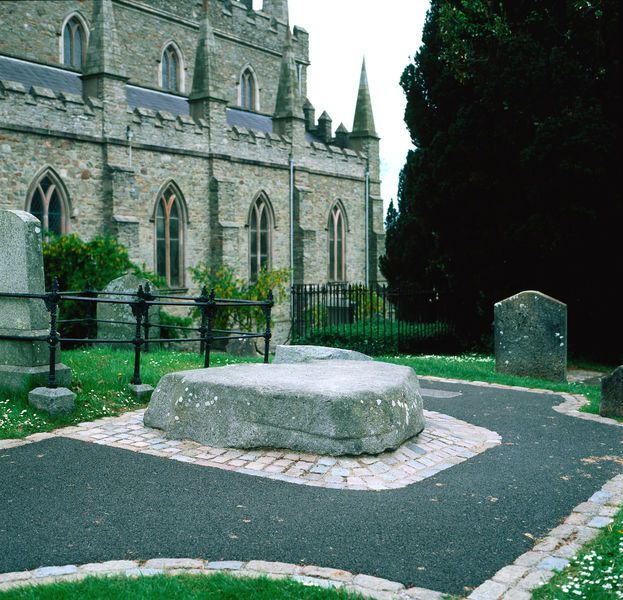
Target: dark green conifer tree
x=514 y=110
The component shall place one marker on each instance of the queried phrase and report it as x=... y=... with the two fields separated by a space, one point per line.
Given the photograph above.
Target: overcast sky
x=341 y=32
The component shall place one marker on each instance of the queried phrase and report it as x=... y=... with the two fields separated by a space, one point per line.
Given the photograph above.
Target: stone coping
x=367 y=585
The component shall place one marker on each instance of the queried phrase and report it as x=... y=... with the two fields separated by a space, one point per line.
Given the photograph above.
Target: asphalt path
x=68 y=502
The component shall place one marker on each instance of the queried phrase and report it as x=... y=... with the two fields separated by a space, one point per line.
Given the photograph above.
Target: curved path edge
x=513 y=582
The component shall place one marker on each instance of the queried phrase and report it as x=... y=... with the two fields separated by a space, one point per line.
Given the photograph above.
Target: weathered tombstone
x=530 y=331
x=612 y=394
x=24 y=364
x=244 y=347
x=125 y=327
x=325 y=406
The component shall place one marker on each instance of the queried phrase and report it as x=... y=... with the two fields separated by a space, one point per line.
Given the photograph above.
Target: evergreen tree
x=513 y=108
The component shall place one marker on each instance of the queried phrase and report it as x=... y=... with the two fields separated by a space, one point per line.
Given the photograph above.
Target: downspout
x=291 y=165
x=367 y=224
x=291 y=181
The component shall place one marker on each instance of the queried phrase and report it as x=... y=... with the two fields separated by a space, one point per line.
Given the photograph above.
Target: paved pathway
x=64 y=501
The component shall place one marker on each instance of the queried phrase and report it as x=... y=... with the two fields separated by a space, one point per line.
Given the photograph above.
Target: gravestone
x=24 y=364
x=331 y=407
x=530 y=331
x=125 y=328
x=612 y=394
x=244 y=347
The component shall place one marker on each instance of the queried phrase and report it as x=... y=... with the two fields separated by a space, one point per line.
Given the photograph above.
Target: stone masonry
x=114 y=140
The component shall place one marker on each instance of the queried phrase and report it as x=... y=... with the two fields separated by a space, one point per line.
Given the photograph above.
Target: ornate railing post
x=266 y=309
x=90 y=292
x=52 y=299
x=209 y=338
x=138 y=310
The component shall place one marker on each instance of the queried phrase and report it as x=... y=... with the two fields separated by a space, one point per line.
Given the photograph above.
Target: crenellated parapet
x=42 y=108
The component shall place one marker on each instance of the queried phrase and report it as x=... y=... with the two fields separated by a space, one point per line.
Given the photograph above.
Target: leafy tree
x=513 y=108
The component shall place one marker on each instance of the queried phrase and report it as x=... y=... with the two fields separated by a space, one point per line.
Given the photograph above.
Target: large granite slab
x=530 y=332
x=330 y=407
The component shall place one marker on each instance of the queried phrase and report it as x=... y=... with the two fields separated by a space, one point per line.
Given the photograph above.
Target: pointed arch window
x=171 y=69
x=47 y=202
x=169 y=237
x=74 y=44
x=248 y=90
x=337 y=245
x=260 y=237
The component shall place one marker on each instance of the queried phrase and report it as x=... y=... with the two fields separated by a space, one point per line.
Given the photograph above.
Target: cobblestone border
x=445 y=442
x=371 y=587
x=536 y=567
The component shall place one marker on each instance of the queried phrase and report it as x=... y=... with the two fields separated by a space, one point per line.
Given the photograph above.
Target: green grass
x=178 y=587
x=595 y=574
x=100 y=380
x=101 y=375
x=480 y=367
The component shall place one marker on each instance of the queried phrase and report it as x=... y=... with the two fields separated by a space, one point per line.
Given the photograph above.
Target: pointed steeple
x=363 y=124
x=205 y=84
x=289 y=102
x=277 y=9
x=103 y=56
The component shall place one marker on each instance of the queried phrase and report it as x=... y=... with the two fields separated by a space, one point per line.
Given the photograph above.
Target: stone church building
x=183 y=129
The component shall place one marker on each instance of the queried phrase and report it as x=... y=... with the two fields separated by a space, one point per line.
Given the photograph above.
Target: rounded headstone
x=530 y=332
x=330 y=407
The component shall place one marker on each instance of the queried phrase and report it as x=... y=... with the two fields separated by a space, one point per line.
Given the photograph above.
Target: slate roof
x=29 y=74
x=62 y=80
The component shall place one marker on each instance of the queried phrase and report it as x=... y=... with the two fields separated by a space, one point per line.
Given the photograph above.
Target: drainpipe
x=291 y=165
x=367 y=224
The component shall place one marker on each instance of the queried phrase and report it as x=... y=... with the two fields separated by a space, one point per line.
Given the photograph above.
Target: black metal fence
x=375 y=319
x=205 y=334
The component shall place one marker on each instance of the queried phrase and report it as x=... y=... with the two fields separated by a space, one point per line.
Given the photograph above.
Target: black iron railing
x=375 y=319
x=140 y=302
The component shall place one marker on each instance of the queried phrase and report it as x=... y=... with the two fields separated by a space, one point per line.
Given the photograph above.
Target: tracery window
x=170 y=69
x=337 y=253
x=260 y=237
x=74 y=44
x=169 y=237
x=47 y=202
x=248 y=90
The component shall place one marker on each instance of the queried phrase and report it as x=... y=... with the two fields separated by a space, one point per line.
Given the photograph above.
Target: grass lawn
x=595 y=574
x=100 y=378
x=480 y=367
x=178 y=587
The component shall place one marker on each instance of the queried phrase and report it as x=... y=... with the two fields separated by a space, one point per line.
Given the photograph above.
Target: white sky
x=341 y=32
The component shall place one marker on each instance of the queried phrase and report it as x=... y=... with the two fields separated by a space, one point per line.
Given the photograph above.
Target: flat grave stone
x=332 y=407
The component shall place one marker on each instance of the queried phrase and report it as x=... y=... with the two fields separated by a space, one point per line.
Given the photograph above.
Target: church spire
x=363 y=124
x=204 y=79
x=277 y=9
x=289 y=102
x=103 y=51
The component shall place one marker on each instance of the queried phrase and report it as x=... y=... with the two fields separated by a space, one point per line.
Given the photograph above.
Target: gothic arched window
x=260 y=237
x=248 y=91
x=48 y=203
x=74 y=44
x=171 y=69
x=337 y=244
x=170 y=236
